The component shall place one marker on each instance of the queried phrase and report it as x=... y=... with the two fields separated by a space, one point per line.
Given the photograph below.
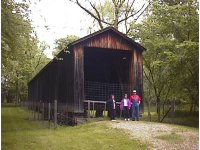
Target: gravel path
x=160 y=136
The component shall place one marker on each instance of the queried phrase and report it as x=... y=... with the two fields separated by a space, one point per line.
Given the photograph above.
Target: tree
x=62 y=43
x=20 y=52
x=171 y=58
x=114 y=13
x=40 y=58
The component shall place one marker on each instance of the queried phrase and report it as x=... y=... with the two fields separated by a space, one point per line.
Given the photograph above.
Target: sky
x=57 y=19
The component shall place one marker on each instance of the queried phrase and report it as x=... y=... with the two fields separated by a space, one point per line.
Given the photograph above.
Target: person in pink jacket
x=125 y=105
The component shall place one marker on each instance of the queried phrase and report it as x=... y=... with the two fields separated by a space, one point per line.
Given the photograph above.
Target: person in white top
x=125 y=106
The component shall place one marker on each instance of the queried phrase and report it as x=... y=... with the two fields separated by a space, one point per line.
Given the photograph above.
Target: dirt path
x=161 y=136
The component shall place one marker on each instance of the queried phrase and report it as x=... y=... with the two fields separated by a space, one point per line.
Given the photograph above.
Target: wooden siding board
x=105 y=31
x=78 y=79
x=106 y=40
x=132 y=76
x=140 y=79
x=65 y=82
x=74 y=82
x=54 y=82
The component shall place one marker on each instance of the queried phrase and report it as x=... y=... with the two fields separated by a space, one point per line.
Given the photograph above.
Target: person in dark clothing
x=111 y=103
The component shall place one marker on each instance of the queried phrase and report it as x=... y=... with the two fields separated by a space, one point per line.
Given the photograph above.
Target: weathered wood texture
x=78 y=79
x=55 y=81
x=109 y=40
x=63 y=80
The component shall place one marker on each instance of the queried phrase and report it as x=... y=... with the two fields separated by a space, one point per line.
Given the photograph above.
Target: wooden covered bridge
x=90 y=69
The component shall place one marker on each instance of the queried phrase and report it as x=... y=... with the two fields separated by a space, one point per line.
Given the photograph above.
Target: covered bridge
x=91 y=68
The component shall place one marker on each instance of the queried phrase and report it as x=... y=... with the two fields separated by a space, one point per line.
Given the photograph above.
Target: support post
x=34 y=111
x=29 y=110
x=88 y=109
x=55 y=114
x=104 y=110
x=93 y=114
x=38 y=110
x=49 y=113
x=43 y=110
x=31 y=106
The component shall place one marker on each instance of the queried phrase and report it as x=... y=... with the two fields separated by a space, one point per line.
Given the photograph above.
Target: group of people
x=126 y=105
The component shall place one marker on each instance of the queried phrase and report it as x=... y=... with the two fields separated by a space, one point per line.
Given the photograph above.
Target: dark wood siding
x=140 y=79
x=78 y=79
x=64 y=80
x=55 y=82
x=108 y=40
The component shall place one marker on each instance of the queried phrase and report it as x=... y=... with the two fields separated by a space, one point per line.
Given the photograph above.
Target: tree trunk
x=163 y=109
x=17 y=91
x=149 y=110
x=173 y=110
x=116 y=18
x=158 y=108
x=196 y=105
x=191 y=108
x=4 y=96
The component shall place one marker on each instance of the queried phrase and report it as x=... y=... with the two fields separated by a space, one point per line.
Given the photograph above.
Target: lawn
x=20 y=133
x=182 y=117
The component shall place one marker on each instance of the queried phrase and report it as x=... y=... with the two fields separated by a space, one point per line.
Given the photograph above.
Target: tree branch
x=127 y=11
x=91 y=14
x=38 y=62
x=132 y=14
x=121 y=3
x=98 y=14
x=142 y=12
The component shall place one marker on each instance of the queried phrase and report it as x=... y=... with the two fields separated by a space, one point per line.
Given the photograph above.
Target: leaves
x=20 y=52
x=170 y=35
x=62 y=43
x=112 y=12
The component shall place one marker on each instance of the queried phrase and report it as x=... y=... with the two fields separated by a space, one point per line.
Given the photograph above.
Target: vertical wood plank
x=49 y=113
x=55 y=114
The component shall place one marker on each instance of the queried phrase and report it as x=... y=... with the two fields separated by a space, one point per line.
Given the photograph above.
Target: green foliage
x=107 y=11
x=181 y=117
x=170 y=34
x=118 y=14
x=62 y=43
x=20 y=52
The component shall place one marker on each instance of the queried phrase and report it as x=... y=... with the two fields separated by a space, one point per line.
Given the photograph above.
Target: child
x=125 y=105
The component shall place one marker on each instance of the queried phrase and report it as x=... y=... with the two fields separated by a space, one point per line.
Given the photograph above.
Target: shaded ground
x=161 y=136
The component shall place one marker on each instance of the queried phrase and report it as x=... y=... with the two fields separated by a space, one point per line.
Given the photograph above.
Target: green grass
x=182 y=117
x=9 y=104
x=20 y=133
